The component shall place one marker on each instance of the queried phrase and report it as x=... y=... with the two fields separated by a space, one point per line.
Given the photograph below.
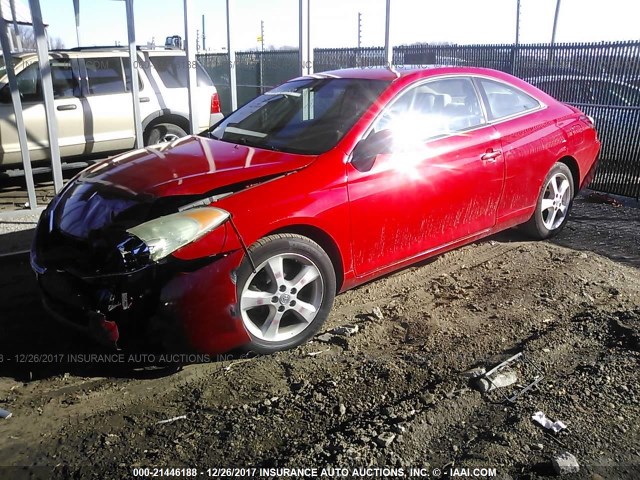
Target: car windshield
x=307 y=116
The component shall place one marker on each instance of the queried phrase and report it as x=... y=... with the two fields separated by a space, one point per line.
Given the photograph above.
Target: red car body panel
x=202 y=306
x=370 y=223
x=193 y=165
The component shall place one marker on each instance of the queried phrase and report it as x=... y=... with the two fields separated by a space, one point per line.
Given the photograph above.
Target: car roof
x=99 y=51
x=391 y=74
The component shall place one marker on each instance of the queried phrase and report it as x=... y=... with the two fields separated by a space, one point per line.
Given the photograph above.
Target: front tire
x=288 y=298
x=554 y=204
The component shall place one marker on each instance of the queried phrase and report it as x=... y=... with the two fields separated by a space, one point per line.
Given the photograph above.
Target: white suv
x=93 y=102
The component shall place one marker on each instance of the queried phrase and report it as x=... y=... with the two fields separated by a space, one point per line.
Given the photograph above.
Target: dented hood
x=191 y=166
x=137 y=186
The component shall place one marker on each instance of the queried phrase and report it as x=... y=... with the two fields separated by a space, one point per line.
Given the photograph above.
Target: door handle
x=490 y=156
x=144 y=99
x=68 y=106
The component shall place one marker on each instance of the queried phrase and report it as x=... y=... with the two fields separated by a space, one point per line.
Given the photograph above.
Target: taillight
x=215 y=103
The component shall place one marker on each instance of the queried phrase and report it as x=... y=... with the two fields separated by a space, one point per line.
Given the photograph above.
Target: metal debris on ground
x=346 y=330
x=474 y=372
x=313 y=354
x=542 y=419
x=171 y=420
x=237 y=362
x=504 y=375
x=5 y=414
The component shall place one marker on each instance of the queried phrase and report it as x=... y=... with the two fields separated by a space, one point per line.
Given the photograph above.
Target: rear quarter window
x=504 y=100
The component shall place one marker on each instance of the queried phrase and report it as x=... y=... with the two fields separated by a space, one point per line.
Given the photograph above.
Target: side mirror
x=367 y=149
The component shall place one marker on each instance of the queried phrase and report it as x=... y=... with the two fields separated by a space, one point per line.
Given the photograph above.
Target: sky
x=335 y=22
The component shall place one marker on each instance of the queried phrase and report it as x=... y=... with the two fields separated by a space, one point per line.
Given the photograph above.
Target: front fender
x=203 y=303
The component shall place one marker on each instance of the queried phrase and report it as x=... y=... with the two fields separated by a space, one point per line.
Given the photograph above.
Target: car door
x=107 y=104
x=440 y=183
x=70 y=122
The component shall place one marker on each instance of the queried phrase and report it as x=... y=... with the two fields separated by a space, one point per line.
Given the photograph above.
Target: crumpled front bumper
x=182 y=306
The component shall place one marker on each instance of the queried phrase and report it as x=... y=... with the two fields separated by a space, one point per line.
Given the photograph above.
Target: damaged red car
x=243 y=235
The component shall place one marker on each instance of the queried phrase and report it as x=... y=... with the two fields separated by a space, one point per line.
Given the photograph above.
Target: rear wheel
x=164 y=132
x=554 y=203
x=290 y=294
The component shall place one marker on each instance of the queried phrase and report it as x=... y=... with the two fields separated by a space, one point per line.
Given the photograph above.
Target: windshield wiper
x=245 y=141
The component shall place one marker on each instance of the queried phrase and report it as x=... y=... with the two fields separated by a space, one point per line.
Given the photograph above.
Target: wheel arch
x=164 y=116
x=326 y=242
x=573 y=166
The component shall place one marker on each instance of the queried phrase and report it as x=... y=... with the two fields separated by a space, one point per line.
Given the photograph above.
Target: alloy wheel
x=555 y=201
x=169 y=137
x=282 y=298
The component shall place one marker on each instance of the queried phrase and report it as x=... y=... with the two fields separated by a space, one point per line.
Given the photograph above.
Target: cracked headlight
x=167 y=234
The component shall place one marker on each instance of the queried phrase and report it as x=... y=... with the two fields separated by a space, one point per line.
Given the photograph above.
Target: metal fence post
x=16 y=30
x=189 y=34
x=76 y=11
x=310 y=58
x=232 y=60
x=388 y=49
x=304 y=54
x=17 y=110
x=47 y=91
x=133 y=59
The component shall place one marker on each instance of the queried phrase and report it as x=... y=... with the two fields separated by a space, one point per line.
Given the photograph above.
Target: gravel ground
x=385 y=389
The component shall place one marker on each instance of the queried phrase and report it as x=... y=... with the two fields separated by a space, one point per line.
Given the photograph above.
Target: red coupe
x=243 y=235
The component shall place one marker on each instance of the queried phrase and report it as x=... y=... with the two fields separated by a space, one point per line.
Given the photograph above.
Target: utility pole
x=514 y=58
x=553 y=32
x=261 y=56
x=517 y=22
x=358 y=53
x=204 y=45
x=388 y=48
x=555 y=23
x=232 y=57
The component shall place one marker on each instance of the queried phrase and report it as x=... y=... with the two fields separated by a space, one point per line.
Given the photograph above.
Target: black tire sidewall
x=160 y=130
x=281 y=244
x=541 y=231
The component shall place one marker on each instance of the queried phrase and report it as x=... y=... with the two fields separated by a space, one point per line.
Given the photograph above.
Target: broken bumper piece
x=174 y=306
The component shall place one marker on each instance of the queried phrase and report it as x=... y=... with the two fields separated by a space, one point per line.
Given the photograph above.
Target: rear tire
x=163 y=133
x=554 y=204
x=288 y=298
